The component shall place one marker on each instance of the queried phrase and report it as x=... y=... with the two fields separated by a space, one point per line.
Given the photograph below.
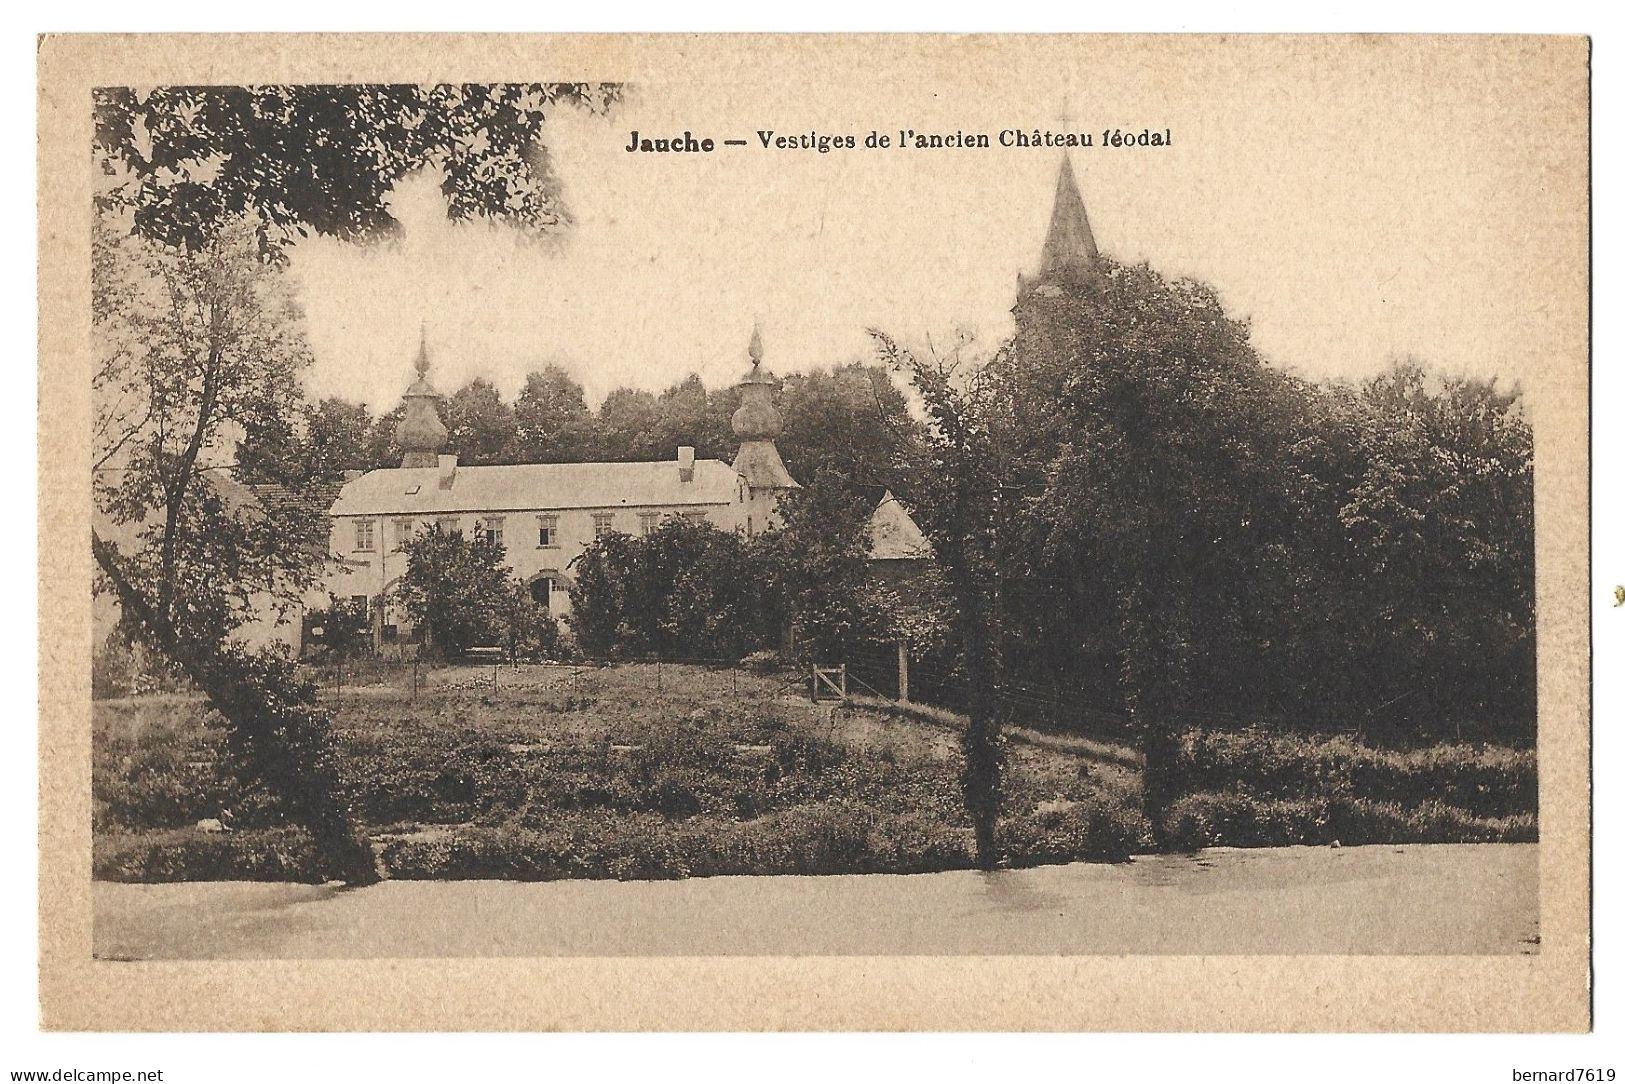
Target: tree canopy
x=322 y=158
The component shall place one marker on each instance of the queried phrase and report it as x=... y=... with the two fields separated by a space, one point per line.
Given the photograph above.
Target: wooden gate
x=828 y=682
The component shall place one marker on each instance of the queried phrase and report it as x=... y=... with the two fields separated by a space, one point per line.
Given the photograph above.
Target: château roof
x=536 y=487
x=1070 y=242
x=893 y=534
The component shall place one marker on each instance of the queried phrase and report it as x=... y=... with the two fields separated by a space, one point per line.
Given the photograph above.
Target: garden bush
x=1236 y=819
x=1487 y=780
x=833 y=837
x=188 y=854
x=1107 y=825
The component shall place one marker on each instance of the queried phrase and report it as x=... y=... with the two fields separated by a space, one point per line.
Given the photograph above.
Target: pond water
x=1413 y=899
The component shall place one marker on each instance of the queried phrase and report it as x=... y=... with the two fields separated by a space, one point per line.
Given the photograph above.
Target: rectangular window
x=403 y=533
x=491 y=530
x=695 y=517
x=648 y=522
x=363 y=534
x=602 y=523
x=547 y=531
x=449 y=525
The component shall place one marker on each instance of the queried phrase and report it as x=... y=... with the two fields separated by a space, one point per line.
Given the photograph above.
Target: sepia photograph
x=661 y=514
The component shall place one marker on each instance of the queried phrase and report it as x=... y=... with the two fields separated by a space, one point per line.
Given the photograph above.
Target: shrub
x=276 y=854
x=123 y=665
x=763 y=662
x=1107 y=825
x=1490 y=781
x=822 y=838
x=1234 y=819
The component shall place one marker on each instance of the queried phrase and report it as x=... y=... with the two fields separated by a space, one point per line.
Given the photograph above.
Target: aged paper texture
x=1393 y=236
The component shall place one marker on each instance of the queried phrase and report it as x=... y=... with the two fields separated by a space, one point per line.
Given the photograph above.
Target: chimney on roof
x=685 y=464
x=448 y=471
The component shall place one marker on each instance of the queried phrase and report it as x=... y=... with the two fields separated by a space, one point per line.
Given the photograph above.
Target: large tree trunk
x=264 y=720
x=983 y=755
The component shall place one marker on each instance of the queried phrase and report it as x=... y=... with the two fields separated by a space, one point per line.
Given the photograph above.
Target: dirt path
x=1414 y=899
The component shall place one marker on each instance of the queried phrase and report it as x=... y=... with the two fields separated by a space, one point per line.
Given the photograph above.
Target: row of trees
x=1130 y=506
x=691 y=590
x=834 y=420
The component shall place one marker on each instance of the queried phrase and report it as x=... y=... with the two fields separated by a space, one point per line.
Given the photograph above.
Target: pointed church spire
x=1070 y=242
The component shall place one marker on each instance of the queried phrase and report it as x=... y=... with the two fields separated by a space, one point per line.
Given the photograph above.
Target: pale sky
x=1354 y=205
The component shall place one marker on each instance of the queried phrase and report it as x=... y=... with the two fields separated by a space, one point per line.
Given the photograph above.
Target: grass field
x=643 y=771
x=635 y=771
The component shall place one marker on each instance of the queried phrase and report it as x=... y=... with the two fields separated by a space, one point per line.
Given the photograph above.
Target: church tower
x=1069 y=253
x=421 y=434
x=1069 y=263
x=757 y=423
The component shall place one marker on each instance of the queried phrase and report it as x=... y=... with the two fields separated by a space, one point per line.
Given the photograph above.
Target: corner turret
x=757 y=423
x=421 y=434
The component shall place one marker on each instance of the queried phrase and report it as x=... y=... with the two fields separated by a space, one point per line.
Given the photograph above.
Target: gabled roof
x=540 y=487
x=893 y=534
x=316 y=498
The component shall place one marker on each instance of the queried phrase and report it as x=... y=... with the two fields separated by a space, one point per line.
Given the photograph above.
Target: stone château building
x=544 y=514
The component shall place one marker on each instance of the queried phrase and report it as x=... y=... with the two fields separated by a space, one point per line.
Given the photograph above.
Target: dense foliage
x=689 y=590
x=323 y=158
x=598 y=772
x=1152 y=520
x=685 y=591
x=463 y=592
x=849 y=422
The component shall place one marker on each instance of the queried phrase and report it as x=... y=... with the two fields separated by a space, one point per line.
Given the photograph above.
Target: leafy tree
x=194 y=346
x=850 y=422
x=628 y=426
x=342 y=629
x=201 y=175
x=689 y=415
x=481 y=426
x=820 y=567
x=601 y=595
x=181 y=161
x=955 y=479
x=686 y=591
x=331 y=438
x=552 y=420
x=1196 y=538
x=1439 y=525
x=529 y=630
x=460 y=590
x=382 y=449
x=1163 y=439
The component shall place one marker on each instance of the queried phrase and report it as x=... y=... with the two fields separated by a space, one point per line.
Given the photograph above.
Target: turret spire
x=421 y=434
x=757 y=423
x=756 y=343
x=423 y=350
